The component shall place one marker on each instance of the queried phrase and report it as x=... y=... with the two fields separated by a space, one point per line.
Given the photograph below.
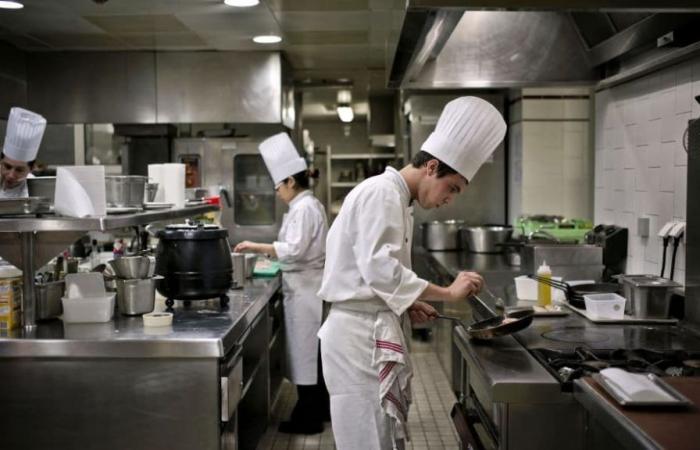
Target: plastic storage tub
x=86 y=300
x=605 y=306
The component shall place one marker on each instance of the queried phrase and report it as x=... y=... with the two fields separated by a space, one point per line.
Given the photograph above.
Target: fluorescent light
x=267 y=39
x=344 y=96
x=345 y=113
x=10 y=5
x=241 y=3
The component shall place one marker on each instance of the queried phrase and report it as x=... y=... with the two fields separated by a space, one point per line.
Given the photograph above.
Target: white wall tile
x=644 y=122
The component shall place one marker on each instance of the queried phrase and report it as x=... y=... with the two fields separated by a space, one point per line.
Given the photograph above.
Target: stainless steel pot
x=42 y=187
x=125 y=191
x=648 y=296
x=485 y=239
x=441 y=234
x=48 y=299
x=121 y=191
x=136 y=296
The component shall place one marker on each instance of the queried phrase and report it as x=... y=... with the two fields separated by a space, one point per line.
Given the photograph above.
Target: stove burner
x=575 y=334
x=568 y=366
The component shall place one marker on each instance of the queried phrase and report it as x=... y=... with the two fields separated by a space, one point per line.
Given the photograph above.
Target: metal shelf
x=50 y=223
x=364 y=156
x=28 y=242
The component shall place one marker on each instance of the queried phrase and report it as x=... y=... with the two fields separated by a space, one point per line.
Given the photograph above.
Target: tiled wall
x=550 y=168
x=640 y=163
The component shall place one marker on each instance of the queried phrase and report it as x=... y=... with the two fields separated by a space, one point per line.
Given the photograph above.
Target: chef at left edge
x=22 y=139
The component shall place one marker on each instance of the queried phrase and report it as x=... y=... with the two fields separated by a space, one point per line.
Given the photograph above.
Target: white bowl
x=88 y=309
x=605 y=306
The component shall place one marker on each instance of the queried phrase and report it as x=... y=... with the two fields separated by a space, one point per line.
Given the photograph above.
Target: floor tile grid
x=429 y=421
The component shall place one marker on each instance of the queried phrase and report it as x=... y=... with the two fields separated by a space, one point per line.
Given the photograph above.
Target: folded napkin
x=80 y=191
x=391 y=359
x=634 y=386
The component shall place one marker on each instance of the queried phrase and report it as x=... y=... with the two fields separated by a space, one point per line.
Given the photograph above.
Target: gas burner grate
x=569 y=366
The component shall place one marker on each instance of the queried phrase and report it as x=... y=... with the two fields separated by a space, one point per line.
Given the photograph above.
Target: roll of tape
x=157 y=319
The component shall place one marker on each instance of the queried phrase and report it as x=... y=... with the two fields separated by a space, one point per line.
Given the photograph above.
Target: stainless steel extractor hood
x=447 y=44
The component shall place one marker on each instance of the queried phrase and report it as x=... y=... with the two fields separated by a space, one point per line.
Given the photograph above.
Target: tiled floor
x=429 y=421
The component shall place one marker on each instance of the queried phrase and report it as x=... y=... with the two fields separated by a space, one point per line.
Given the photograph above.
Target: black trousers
x=313 y=403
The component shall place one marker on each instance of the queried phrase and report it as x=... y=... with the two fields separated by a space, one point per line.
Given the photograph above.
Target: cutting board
x=266 y=268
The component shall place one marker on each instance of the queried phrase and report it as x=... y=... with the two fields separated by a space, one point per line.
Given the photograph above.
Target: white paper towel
x=635 y=386
x=155 y=175
x=174 y=184
x=80 y=191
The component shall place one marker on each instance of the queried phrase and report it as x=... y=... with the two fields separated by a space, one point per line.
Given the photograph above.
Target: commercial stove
x=516 y=392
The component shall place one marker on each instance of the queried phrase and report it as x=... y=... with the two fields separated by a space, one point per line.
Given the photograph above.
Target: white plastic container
x=605 y=306
x=88 y=309
x=86 y=299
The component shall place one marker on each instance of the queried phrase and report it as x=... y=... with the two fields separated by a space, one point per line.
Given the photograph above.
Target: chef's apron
x=303 y=310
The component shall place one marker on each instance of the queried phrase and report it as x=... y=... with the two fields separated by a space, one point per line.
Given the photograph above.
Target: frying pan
x=498 y=325
x=574 y=294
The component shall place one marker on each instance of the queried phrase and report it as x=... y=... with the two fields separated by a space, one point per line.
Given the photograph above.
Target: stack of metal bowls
x=136 y=290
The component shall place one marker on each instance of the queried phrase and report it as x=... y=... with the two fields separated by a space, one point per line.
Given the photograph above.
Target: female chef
x=301 y=250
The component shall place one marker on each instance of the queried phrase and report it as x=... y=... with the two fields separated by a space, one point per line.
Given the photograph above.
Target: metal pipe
x=28 y=297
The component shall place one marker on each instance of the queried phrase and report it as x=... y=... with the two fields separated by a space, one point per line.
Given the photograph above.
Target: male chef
x=22 y=139
x=369 y=282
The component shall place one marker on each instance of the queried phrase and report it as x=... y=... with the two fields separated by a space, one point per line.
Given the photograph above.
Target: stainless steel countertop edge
x=624 y=430
x=198 y=332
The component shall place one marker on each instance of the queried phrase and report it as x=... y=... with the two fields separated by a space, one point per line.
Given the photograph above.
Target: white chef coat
x=301 y=249
x=368 y=250
x=367 y=274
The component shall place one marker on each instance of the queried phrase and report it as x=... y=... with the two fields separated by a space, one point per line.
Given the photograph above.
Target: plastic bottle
x=544 y=292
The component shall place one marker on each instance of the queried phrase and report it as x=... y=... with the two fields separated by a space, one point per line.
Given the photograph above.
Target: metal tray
x=679 y=399
x=24 y=206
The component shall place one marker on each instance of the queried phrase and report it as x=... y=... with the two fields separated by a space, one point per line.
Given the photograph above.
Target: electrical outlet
x=643 y=227
x=666 y=229
x=677 y=230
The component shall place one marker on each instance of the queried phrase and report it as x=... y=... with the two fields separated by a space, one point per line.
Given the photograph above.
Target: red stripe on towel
x=389 y=346
x=389 y=396
x=386 y=370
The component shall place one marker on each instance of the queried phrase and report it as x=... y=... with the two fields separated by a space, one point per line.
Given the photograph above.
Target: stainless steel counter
x=203 y=330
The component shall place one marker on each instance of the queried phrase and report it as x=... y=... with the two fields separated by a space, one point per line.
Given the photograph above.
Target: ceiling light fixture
x=242 y=3
x=344 y=108
x=345 y=113
x=267 y=39
x=10 y=5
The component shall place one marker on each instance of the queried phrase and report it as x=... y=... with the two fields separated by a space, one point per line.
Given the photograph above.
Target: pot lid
x=192 y=231
x=192 y=226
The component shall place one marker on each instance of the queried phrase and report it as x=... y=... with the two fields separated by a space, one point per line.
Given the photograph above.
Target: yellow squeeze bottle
x=544 y=292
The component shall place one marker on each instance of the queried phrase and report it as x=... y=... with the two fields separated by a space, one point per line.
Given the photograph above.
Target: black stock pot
x=195 y=262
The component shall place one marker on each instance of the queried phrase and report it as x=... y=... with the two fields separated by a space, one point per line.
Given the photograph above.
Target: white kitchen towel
x=80 y=191
x=634 y=386
x=174 y=184
x=155 y=175
x=393 y=362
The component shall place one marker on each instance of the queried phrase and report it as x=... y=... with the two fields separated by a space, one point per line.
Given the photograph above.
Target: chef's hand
x=421 y=312
x=465 y=285
x=246 y=246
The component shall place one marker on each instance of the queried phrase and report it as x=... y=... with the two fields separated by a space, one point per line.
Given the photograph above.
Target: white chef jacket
x=368 y=250
x=301 y=251
x=301 y=243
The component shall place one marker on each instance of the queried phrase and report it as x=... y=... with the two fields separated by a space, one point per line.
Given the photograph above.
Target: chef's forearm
x=267 y=249
x=435 y=292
